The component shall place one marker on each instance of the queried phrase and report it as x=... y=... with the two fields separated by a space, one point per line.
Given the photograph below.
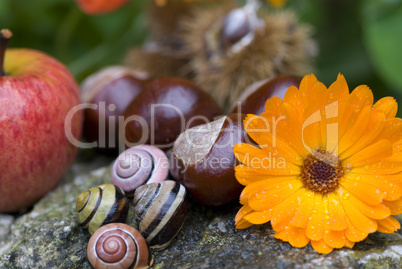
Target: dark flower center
x=321 y=172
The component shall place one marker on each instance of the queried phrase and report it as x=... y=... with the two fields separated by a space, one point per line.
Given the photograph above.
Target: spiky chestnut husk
x=280 y=46
x=163 y=54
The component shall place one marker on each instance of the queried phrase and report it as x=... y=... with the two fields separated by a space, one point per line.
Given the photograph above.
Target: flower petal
x=311 y=129
x=264 y=184
x=310 y=93
x=272 y=105
x=297 y=237
x=270 y=195
x=373 y=128
x=269 y=128
x=243 y=224
x=377 y=212
x=360 y=97
x=353 y=234
x=289 y=128
x=334 y=239
x=363 y=191
x=246 y=175
x=378 y=168
x=392 y=130
x=304 y=211
x=239 y=219
x=355 y=131
x=371 y=154
x=258 y=128
x=394 y=206
x=315 y=226
x=266 y=158
x=388 y=225
x=307 y=83
x=358 y=219
x=294 y=98
x=259 y=217
x=283 y=234
x=339 y=89
x=349 y=244
x=337 y=217
x=284 y=212
x=321 y=247
x=390 y=185
x=388 y=105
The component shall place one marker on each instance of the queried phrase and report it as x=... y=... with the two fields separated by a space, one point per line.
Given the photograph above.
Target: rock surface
x=49 y=237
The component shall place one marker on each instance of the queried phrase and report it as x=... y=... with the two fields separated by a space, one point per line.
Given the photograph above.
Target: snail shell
x=118 y=245
x=138 y=166
x=101 y=205
x=160 y=210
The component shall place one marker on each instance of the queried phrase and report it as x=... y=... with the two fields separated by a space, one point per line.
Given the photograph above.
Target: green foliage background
x=361 y=39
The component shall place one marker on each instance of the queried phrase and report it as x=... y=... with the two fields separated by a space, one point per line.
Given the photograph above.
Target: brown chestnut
x=166 y=108
x=109 y=92
x=203 y=161
x=253 y=99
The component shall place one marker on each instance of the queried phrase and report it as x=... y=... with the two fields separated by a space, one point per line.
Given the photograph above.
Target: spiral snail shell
x=160 y=210
x=101 y=205
x=138 y=166
x=118 y=245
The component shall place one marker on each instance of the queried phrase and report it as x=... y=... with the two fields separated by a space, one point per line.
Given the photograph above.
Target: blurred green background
x=361 y=39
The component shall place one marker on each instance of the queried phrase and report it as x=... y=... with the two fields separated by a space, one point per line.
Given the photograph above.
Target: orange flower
x=328 y=166
x=100 y=6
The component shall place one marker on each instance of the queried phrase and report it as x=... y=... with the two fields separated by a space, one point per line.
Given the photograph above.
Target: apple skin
x=35 y=153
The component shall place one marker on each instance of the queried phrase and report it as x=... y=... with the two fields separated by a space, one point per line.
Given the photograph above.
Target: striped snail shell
x=160 y=210
x=118 y=245
x=138 y=166
x=101 y=205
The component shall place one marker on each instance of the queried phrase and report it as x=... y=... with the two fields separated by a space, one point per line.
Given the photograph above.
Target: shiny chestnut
x=109 y=92
x=166 y=108
x=203 y=161
x=253 y=99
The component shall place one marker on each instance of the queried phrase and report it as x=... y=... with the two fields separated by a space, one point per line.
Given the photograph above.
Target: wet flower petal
x=336 y=214
x=334 y=239
x=371 y=154
x=373 y=127
x=259 y=217
x=394 y=206
x=284 y=212
x=269 y=197
x=365 y=192
x=388 y=225
x=388 y=105
x=239 y=219
x=315 y=226
x=358 y=219
x=297 y=238
x=353 y=234
x=321 y=247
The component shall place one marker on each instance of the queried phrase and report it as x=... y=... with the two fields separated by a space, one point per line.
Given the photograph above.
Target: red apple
x=99 y=6
x=36 y=94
